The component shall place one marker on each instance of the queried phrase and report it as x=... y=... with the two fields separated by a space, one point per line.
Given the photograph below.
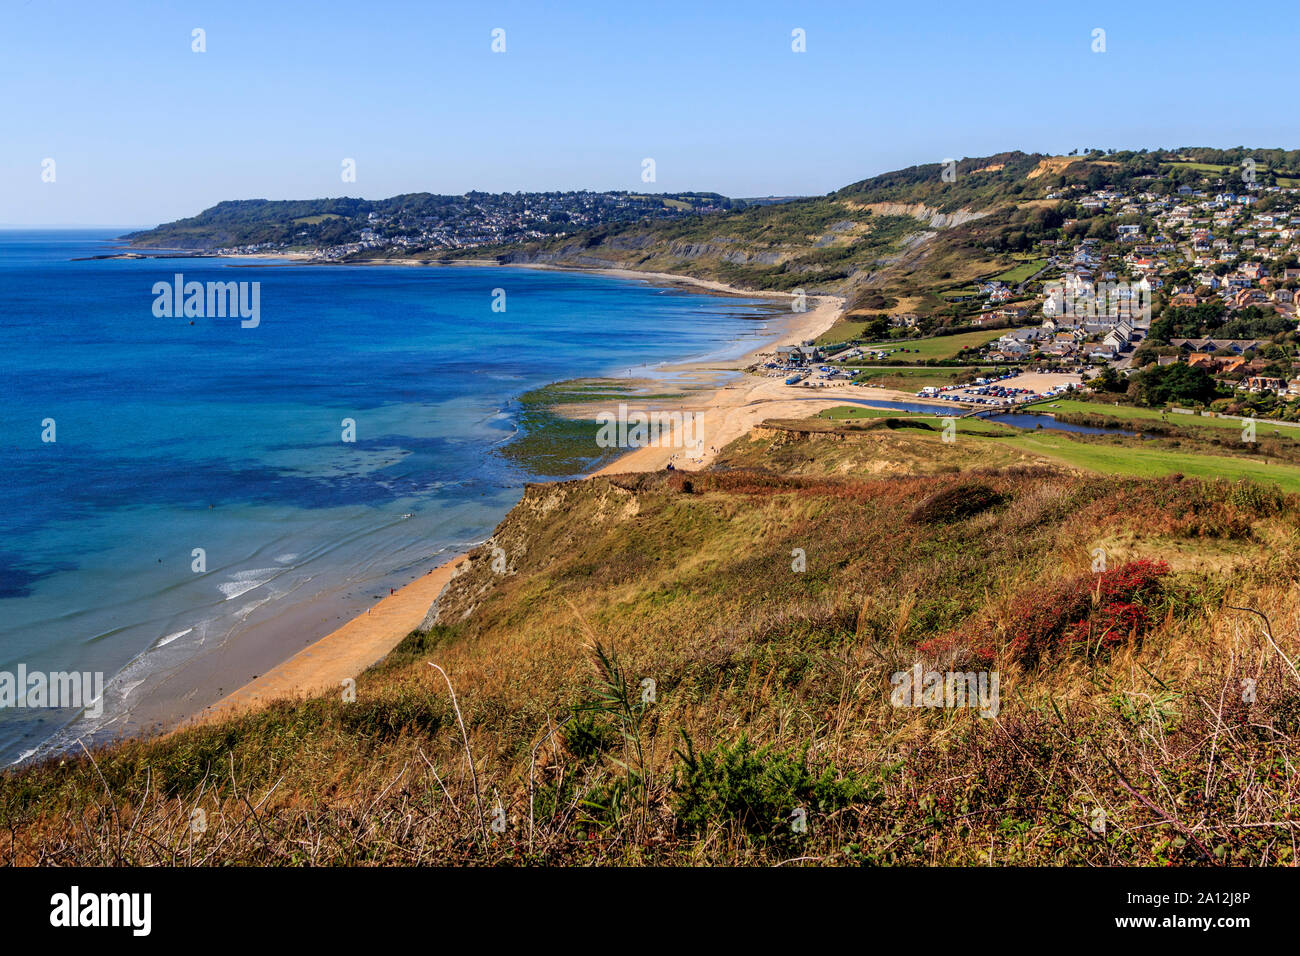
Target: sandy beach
x=341 y=654
x=724 y=412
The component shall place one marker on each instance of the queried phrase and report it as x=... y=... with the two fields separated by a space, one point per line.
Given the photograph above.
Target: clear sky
x=142 y=129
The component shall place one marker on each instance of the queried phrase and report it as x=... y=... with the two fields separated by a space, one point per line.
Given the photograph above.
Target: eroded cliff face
x=755 y=263
x=538 y=531
x=931 y=217
x=630 y=251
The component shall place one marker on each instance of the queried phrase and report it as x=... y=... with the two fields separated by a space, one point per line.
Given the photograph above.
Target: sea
x=169 y=482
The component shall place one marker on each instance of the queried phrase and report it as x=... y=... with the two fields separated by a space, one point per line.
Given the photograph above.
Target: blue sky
x=144 y=130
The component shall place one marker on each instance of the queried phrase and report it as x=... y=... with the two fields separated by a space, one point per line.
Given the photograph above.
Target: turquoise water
x=175 y=434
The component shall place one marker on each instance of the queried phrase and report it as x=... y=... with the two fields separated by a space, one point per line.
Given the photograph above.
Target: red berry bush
x=1092 y=611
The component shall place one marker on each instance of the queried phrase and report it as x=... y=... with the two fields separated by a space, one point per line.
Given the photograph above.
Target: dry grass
x=782 y=677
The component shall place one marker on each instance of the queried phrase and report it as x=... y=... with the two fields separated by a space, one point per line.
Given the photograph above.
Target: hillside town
x=422 y=223
x=1207 y=277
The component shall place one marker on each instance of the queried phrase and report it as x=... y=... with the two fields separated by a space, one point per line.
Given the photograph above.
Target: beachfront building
x=799 y=354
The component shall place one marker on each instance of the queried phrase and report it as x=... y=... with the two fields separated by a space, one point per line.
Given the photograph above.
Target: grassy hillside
x=941 y=347
x=911 y=240
x=879 y=242
x=904 y=240
x=1122 y=735
x=1178 y=450
x=973 y=184
x=321 y=223
x=248 y=221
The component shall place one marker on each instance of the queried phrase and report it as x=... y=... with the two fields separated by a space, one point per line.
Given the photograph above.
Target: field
x=968 y=427
x=1148 y=462
x=1107 y=456
x=671 y=203
x=1130 y=413
x=1021 y=272
x=852 y=412
x=920 y=422
x=844 y=330
x=936 y=347
x=1220 y=169
x=1216 y=168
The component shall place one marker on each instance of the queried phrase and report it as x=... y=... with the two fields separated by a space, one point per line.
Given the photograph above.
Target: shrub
x=1114 y=611
x=1089 y=610
x=1260 y=500
x=418 y=645
x=757 y=789
x=585 y=736
x=954 y=504
x=385 y=716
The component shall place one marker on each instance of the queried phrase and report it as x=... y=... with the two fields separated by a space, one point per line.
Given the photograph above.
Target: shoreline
x=308 y=638
x=344 y=653
x=367 y=638
x=306 y=259
x=725 y=399
x=723 y=412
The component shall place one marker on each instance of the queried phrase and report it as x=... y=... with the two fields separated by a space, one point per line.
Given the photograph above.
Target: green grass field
x=1139 y=460
x=937 y=347
x=1021 y=272
x=1217 y=168
x=964 y=426
x=1220 y=169
x=844 y=330
x=1132 y=414
x=1151 y=462
x=851 y=412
